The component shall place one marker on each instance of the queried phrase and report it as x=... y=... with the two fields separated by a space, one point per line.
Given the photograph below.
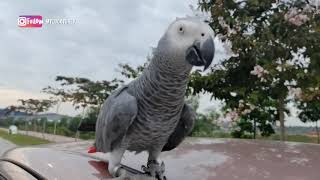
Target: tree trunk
x=254 y=129
x=281 y=119
x=318 y=133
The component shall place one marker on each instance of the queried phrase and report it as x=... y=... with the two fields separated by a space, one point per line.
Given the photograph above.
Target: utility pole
x=55 y=121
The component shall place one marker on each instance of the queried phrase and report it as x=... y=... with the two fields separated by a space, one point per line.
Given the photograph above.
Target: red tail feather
x=92 y=149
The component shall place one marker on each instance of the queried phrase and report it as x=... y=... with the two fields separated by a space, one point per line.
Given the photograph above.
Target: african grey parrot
x=150 y=114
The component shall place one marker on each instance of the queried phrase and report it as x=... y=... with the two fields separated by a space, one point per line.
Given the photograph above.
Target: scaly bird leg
x=114 y=162
x=154 y=168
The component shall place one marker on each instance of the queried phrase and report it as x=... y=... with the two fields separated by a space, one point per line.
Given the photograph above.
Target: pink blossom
x=307 y=8
x=241 y=105
x=223 y=24
x=228 y=48
x=232 y=116
x=259 y=71
x=246 y=111
x=315 y=3
x=314 y=89
x=295 y=18
x=295 y=92
x=299 y=59
x=279 y=68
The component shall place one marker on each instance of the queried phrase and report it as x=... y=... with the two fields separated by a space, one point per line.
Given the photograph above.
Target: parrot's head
x=189 y=41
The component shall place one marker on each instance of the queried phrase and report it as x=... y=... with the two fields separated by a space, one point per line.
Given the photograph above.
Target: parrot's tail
x=92 y=149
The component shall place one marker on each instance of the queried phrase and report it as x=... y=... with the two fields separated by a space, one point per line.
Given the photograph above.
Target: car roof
x=196 y=158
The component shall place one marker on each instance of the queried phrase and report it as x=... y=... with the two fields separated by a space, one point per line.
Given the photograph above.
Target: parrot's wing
x=183 y=128
x=115 y=117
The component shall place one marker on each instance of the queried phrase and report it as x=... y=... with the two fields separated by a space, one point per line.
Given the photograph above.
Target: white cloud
x=11 y=96
x=105 y=34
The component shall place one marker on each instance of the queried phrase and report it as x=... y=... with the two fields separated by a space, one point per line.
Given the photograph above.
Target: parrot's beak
x=201 y=54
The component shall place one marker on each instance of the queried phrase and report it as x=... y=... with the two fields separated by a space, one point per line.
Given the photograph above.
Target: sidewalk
x=5 y=145
x=49 y=137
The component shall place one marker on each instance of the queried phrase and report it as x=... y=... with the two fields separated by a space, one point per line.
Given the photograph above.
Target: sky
x=104 y=34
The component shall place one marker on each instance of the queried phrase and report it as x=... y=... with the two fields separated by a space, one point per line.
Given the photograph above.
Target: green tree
x=310 y=112
x=309 y=101
x=63 y=122
x=204 y=123
x=193 y=101
x=6 y=121
x=82 y=92
x=130 y=72
x=74 y=123
x=244 y=131
x=32 y=107
x=268 y=39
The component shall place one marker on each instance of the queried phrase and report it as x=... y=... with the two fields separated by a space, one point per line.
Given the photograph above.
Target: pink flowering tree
x=275 y=44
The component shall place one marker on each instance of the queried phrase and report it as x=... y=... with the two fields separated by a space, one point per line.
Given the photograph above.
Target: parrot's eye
x=202 y=34
x=180 y=29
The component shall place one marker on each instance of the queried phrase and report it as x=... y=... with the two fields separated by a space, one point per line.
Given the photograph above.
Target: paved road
x=5 y=145
x=50 y=137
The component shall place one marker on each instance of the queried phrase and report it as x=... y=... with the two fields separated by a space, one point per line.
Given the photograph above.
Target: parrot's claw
x=155 y=169
x=116 y=171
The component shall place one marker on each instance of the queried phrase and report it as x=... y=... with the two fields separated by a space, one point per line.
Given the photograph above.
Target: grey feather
x=183 y=128
x=149 y=114
x=117 y=113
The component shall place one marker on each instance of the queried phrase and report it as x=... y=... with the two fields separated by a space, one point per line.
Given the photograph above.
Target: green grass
x=274 y=137
x=292 y=138
x=22 y=140
x=212 y=134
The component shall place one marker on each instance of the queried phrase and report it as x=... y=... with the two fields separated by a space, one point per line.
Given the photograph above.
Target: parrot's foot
x=115 y=171
x=155 y=169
